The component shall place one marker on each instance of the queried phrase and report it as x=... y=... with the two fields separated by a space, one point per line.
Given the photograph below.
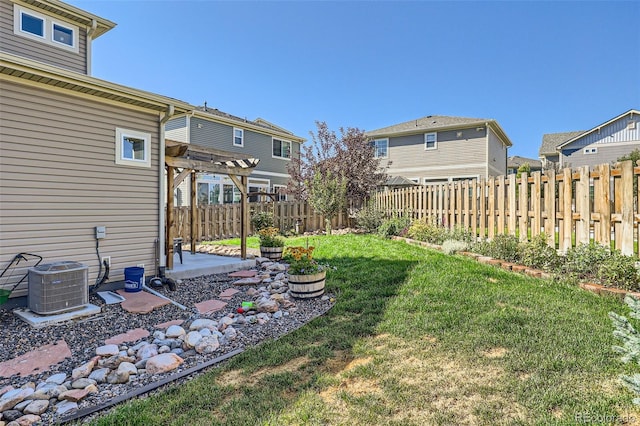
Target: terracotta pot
x=307 y=286
x=271 y=253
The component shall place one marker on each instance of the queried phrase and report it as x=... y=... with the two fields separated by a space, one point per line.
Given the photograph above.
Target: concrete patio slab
x=37 y=321
x=195 y=265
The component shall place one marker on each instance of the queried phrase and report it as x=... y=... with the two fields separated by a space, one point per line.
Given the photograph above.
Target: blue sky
x=535 y=67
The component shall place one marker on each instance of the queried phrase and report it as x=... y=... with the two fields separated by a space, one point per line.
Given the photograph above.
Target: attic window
x=590 y=151
x=30 y=24
x=631 y=124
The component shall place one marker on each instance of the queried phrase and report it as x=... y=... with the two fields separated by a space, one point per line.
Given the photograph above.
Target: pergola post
x=194 y=213
x=170 y=218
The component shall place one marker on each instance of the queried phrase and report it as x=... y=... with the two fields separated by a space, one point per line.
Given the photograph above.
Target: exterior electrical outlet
x=101 y=232
x=107 y=260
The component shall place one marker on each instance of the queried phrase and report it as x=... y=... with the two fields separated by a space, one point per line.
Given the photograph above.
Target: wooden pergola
x=193 y=159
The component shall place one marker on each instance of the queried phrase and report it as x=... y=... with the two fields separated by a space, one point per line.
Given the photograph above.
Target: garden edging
x=536 y=273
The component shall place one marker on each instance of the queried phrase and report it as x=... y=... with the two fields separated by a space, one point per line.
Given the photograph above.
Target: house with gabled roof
x=436 y=148
x=604 y=143
x=211 y=128
x=515 y=162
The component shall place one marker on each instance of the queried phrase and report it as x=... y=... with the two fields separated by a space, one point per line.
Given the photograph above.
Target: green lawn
x=416 y=337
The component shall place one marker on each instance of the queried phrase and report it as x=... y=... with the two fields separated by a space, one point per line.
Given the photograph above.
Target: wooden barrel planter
x=307 y=286
x=271 y=253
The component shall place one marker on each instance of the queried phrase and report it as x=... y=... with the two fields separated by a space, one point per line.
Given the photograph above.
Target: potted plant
x=271 y=243
x=306 y=276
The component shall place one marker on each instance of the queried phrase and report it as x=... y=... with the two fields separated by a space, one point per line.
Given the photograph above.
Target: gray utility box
x=58 y=287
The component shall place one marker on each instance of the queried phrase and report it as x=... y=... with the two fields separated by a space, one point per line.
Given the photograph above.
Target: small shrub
x=369 y=218
x=538 y=254
x=261 y=220
x=395 y=226
x=461 y=234
x=619 y=271
x=582 y=262
x=427 y=231
x=504 y=247
x=453 y=246
x=270 y=237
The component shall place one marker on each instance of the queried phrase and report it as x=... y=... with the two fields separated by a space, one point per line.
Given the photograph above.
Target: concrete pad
x=129 y=336
x=141 y=302
x=228 y=293
x=199 y=264
x=38 y=321
x=210 y=306
x=38 y=360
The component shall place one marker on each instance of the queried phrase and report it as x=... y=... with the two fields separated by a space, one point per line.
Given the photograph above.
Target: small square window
x=133 y=148
x=62 y=35
x=430 y=141
x=381 y=148
x=281 y=149
x=238 y=137
x=32 y=24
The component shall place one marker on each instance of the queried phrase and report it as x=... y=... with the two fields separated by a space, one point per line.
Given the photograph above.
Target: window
x=279 y=190
x=430 y=141
x=238 y=137
x=62 y=34
x=281 y=149
x=31 y=24
x=381 y=148
x=133 y=148
x=590 y=151
x=46 y=29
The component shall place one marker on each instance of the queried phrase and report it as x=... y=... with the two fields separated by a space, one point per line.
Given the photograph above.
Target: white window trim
x=435 y=146
x=375 y=154
x=275 y=190
x=120 y=135
x=235 y=129
x=590 y=151
x=48 y=23
x=290 y=149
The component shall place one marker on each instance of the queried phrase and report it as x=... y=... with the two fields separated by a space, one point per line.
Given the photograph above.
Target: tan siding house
x=435 y=149
x=76 y=153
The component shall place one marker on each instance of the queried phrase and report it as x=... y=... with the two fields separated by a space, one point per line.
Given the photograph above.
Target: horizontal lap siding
x=58 y=180
x=497 y=161
x=37 y=50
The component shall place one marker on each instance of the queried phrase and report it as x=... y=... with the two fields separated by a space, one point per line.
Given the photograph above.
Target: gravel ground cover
x=84 y=335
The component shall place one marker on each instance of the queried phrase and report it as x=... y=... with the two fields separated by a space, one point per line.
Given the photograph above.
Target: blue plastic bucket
x=133 y=278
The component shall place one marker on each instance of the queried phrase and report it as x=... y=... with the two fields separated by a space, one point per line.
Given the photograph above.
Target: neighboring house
x=514 y=163
x=435 y=149
x=604 y=143
x=210 y=128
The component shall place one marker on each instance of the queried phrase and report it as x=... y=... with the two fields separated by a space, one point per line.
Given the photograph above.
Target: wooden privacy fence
x=570 y=206
x=220 y=221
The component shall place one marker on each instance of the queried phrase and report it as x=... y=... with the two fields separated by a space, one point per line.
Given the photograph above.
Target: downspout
x=164 y=117
x=90 y=32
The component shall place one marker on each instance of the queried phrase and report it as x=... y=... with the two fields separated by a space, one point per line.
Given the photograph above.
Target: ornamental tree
x=349 y=156
x=327 y=195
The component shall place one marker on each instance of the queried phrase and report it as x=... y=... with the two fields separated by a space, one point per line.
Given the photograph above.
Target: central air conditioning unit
x=58 y=287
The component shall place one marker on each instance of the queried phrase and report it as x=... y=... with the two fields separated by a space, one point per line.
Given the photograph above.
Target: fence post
x=550 y=195
x=583 y=207
x=501 y=204
x=626 y=187
x=523 y=190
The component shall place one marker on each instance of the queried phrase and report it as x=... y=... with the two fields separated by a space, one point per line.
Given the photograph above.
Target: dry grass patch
x=495 y=353
x=239 y=378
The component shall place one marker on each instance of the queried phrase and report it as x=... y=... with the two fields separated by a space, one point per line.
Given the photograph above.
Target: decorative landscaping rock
x=85 y=369
x=207 y=345
x=163 y=363
x=201 y=323
x=36 y=407
x=175 y=331
x=107 y=350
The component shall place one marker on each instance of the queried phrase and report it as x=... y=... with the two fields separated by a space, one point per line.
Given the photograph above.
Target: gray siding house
x=604 y=143
x=77 y=152
x=211 y=128
x=436 y=149
x=514 y=162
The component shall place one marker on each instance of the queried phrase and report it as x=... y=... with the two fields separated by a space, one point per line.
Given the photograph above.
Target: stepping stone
x=228 y=293
x=210 y=306
x=129 y=336
x=248 y=281
x=141 y=302
x=243 y=274
x=165 y=325
x=37 y=360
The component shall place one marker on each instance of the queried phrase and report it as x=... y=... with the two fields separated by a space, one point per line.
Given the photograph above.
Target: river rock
x=73 y=395
x=147 y=351
x=85 y=369
x=99 y=375
x=36 y=407
x=66 y=406
x=11 y=415
x=118 y=376
x=207 y=345
x=201 y=323
x=127 y=367
x=267 y=305
x=82 y=383
x=107 y=350
x=192 y=339
x=175 y=331
x=14 y=397
x=163 y=363
x=26 y=420
x=57 y=379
